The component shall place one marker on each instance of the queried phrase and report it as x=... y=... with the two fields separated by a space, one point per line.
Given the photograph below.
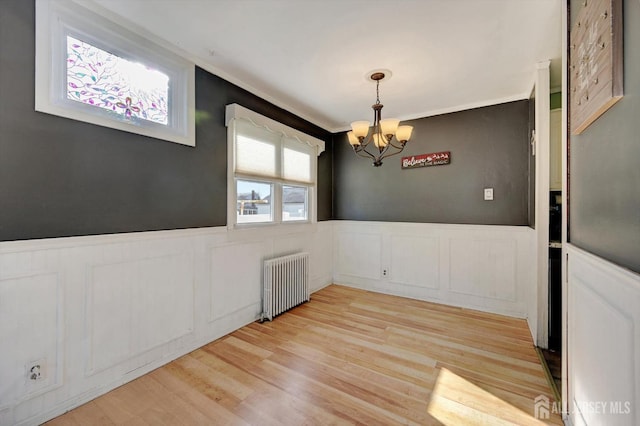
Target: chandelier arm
x=383 y=153
x=379 y=155
x=365 y=144
x=361 y=151
x=401 y=147
x=390 y=155
x=387 y=147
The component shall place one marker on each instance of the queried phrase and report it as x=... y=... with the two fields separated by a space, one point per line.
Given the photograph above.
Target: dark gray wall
x=605 y=165
x=489 y=148
x=61 y=177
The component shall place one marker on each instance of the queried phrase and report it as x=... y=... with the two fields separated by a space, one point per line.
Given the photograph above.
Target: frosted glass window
x=92 y=69
x=130 y=90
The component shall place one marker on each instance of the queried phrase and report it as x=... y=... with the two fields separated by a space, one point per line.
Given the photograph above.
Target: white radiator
x=286 y=284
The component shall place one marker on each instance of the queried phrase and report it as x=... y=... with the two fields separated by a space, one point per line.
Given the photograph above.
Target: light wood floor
x=347 y=357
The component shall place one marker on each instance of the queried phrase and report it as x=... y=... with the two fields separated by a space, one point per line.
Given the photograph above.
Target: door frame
x=542 y=150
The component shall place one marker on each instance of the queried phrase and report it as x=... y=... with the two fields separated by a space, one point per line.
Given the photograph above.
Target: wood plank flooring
x=347 y=357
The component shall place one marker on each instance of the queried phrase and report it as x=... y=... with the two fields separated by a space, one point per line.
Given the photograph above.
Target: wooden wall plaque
x=426 y=160
x=595 y=62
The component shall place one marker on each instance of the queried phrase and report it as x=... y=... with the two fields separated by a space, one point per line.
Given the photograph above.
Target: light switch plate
x=488 y=194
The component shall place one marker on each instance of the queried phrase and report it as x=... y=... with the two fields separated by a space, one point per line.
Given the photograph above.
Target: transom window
x=91 y=69
x=128 y=89
x=272 y=170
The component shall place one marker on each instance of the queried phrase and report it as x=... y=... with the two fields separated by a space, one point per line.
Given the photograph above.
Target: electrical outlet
x=384 y=273
x=488 y=194
x=36 y=370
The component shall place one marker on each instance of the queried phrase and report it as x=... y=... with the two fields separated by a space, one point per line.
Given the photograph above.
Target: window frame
x=288 y=136
x=56 y=19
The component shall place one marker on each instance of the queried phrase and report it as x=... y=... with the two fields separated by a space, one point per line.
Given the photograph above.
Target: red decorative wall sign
x=424 y=160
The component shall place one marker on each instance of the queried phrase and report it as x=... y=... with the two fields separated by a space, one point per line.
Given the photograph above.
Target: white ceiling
x=312 y=57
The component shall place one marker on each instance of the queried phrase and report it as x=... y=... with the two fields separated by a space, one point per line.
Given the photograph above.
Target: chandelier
x=388 y=137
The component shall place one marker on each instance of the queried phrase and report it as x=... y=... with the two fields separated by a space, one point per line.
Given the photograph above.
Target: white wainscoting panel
x=484 y=267
x=234 y=288
x=404 y=268
x=319 y=245
x=359 y=254
x=100 y=311
x=137 y=305
x=320 y=249
x=603 y=341
x=30 y=333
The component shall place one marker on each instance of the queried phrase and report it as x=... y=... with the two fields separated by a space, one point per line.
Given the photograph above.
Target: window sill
x=257 y=231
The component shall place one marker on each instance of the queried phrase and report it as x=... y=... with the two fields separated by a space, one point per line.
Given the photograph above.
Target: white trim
x=55 y=19
x=232 y=196
x=542 y=109
x=437 y=226
x=565 y=295
x=90 y=240
x=613 y=271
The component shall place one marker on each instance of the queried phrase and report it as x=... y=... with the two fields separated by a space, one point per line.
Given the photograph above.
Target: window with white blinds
x=296 y=163
x=272 y=170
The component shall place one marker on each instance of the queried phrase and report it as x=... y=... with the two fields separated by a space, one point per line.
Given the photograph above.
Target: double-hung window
x=92 y=69
x=272 y=170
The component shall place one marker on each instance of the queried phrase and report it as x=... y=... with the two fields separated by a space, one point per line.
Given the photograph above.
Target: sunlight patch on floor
x=456 y=401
